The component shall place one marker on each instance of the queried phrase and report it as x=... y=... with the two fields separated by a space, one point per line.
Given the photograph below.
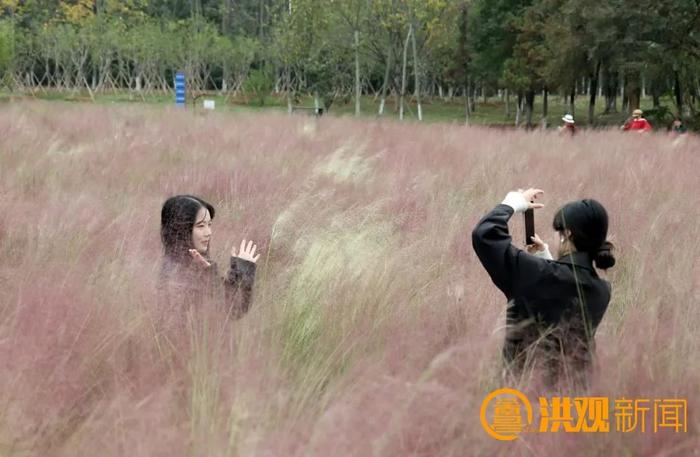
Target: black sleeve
x=514 y=271
x=239 y=286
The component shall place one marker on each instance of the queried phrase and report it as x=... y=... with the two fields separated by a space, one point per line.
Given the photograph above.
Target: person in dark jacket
x=554 y=306
x=188 y=277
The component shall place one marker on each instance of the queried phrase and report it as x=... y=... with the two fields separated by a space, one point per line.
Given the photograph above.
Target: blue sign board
x=180 y=89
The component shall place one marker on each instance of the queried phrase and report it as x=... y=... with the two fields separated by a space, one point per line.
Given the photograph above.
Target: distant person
x=637 y=123
x=678 y=128
x=188 y=277
x=678 y=132
x=554 y=306
x=569 y=126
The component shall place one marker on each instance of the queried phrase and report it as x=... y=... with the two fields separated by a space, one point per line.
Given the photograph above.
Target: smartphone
x=529 y=225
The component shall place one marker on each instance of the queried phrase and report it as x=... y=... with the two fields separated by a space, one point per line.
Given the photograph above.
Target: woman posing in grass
x=554 y=306
x=188 y=275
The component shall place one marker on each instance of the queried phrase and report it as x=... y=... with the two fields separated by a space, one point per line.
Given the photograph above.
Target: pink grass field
x=374 y=330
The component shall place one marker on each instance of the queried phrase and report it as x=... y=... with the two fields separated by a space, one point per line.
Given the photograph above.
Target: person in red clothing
x=637 y=122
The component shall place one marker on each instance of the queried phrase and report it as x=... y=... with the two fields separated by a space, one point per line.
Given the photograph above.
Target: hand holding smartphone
x=530 y=195
x=529 y=225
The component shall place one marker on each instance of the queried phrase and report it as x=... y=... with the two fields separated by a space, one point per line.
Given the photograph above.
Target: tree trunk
x=472 y=100
x=545 y=107
x=594 y=94
x=358 y=89
x=92 y=96
x=623 y=94
x=656 y=88
x=610 y=81
x=507 y=95
x=572 y=100
x=633 y=91
x=466 y=104
x=288 y=89
x=678 y=92
x=622 y=86
x=415 y=73
x=403 y=72
x=529 y=107
x=385 y=86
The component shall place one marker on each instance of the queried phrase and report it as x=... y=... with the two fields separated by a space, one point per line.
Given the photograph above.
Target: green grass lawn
x=488 y=112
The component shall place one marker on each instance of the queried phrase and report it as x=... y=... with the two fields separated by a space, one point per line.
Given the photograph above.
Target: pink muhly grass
x=374 y=329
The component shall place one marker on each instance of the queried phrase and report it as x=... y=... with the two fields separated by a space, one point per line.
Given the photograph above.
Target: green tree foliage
x=494 y=36
x=7 y=47
x=324 y=47
x=259 y=83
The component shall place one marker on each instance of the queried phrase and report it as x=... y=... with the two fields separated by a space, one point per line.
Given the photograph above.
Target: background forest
x=607 y=55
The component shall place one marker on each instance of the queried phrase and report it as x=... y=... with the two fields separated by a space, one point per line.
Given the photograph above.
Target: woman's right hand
x=199 y=259
x=531 y=195
x=522 y=200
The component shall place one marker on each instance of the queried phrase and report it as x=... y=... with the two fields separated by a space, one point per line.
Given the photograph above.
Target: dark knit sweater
x=185 y=284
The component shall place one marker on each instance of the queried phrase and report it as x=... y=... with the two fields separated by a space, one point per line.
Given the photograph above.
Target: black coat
x=554 y=307
x=184 y=284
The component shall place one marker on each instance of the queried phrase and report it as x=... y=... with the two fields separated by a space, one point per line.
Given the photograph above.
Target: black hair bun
x=604 y=257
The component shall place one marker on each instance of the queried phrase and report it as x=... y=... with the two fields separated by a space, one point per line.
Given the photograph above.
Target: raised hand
x=198 y=259
x=522 y=200
x=246 y=252
x=531 y=195
x=537 y=245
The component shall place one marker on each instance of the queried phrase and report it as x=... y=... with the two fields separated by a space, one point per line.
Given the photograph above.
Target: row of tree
x=616 y=50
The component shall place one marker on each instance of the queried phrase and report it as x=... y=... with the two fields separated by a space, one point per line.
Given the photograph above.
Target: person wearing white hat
x=569 y=125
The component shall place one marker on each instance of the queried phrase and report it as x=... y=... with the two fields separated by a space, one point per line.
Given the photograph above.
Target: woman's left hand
x=539 y=248
x=246 y=252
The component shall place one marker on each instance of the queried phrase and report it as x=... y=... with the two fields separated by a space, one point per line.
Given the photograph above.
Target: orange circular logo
x=509 y=406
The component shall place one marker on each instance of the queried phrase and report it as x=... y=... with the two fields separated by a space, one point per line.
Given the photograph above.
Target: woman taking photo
x=188 y=277
x=554 y=306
